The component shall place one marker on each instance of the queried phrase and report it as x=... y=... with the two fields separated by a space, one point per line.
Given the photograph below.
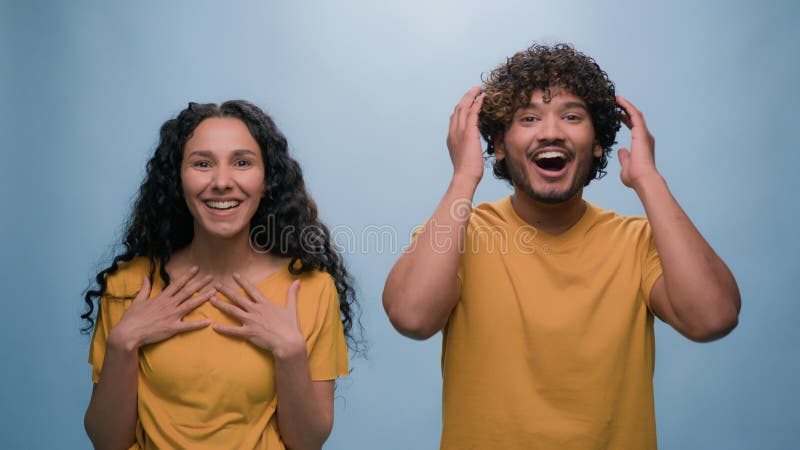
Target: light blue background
x=363 y=90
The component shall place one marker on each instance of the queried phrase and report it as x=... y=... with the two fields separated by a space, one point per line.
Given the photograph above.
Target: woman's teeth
x=222 y=205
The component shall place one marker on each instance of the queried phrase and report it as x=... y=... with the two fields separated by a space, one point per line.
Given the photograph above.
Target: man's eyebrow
x=566 y=105
x=581 y=105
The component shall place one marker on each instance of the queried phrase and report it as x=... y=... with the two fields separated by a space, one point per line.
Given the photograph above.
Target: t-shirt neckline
x=576 y=230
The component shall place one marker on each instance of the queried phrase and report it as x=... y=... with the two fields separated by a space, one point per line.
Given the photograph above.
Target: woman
x=222 y=324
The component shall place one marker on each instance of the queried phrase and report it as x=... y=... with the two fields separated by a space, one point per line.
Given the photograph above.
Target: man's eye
x=572 y=117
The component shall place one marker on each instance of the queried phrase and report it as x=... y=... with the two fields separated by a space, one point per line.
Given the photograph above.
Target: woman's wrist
x=121 y=340
x=291 y=350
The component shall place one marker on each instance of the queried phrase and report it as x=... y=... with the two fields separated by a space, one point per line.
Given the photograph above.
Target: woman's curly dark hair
x=160 y=223
x=510 y=86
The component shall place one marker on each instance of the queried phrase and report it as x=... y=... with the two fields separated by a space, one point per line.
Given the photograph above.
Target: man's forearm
x=701 y=289
x=422 y=287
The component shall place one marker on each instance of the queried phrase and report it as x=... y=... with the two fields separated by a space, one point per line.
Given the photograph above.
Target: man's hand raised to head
x=638 y=163
x=464 y=138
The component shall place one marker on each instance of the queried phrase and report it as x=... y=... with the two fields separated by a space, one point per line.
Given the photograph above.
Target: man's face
x=549 y=146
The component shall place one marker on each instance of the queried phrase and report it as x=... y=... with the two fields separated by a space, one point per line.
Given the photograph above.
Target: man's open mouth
x=551 y=161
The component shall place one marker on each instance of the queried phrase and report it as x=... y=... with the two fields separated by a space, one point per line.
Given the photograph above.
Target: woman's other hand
x=154 y=320
x=264 y=323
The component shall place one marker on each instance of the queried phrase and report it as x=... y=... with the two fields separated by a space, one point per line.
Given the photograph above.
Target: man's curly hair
x=510 y=86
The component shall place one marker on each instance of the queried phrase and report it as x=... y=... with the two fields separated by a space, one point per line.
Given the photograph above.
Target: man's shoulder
x=609 y=219
x=492 y=213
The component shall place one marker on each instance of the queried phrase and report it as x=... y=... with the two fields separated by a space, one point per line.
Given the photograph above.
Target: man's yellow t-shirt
x=204 y=390
x=551 y=345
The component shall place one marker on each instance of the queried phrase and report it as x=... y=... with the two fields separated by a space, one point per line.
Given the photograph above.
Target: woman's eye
x=572 y=117
x=529 y=119
x=242 y=163
x=201 y=164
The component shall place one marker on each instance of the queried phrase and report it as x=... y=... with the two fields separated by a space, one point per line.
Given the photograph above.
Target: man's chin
x=550 y=197
x=549 y=192
x=553 y=198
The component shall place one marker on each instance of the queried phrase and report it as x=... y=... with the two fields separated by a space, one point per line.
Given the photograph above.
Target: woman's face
x=222 y=175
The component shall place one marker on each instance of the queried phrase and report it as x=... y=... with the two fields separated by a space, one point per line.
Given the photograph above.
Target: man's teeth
x=549 y=155
x=222 y=205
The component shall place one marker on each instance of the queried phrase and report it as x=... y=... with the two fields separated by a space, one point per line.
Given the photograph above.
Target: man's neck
x=552 y=218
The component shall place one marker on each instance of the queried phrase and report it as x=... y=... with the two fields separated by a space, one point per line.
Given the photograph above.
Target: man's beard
x=519 y=178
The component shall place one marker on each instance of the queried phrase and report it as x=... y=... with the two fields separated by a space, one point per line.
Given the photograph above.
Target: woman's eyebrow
x=210 y=154
x=243 y=151
x=202 y=153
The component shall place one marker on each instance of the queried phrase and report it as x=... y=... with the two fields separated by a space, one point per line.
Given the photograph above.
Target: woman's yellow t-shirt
x=205 y=390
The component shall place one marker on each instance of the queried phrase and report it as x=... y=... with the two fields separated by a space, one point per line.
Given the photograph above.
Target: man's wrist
x=464 y=184
x=646 y=184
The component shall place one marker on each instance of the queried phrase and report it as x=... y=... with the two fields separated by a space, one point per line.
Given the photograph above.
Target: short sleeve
x=111 y=307
x=651 y=264
x=97 y=349
x=326 y=346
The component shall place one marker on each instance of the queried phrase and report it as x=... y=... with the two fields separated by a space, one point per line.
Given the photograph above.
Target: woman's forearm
x=305 y=407
x=110 y=419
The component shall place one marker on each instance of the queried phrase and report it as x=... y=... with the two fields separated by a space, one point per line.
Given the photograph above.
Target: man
x=545 y=301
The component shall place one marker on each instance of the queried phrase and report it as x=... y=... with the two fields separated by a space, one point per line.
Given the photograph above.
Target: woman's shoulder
x=317 y=279
x=126 y=281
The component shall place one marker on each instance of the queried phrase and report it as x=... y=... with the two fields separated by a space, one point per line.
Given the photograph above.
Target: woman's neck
x=221 y=258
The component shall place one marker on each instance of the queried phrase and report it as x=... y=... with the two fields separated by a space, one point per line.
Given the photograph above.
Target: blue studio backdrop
x=363 y=91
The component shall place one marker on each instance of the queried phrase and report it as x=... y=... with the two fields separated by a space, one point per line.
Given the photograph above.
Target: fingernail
x=193 y=269
x=236 y=275
x=218 y=286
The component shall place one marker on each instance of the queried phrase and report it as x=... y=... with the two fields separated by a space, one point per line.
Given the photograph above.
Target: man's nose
x=551 y=130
